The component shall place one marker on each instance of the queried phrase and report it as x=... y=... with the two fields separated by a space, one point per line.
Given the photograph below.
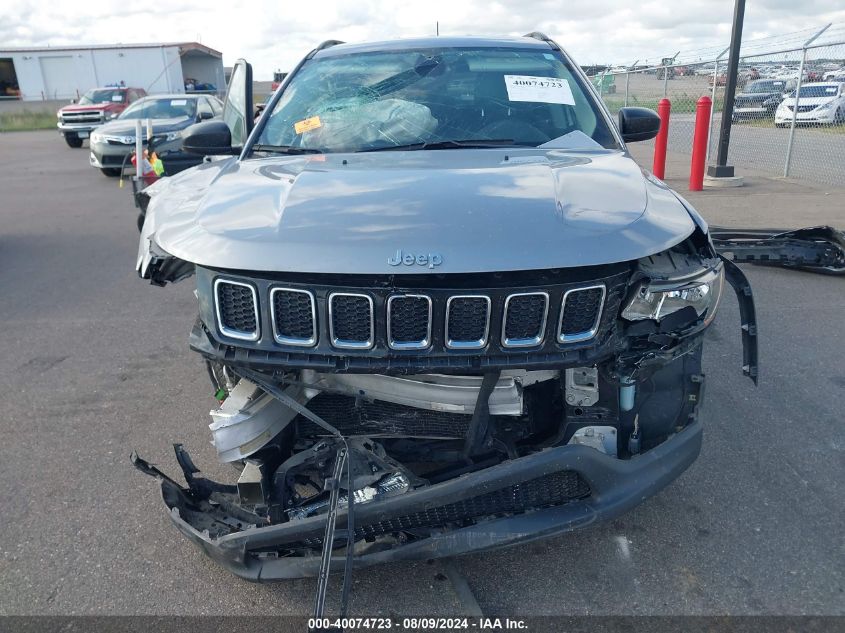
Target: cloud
x=275 y=35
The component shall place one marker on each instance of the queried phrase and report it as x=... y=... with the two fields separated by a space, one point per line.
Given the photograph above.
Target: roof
x=184 y=47
x=433 y=42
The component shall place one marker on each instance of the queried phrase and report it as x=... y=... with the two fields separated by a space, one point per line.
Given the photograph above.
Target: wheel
x=839 y=117
x=111 y=172
x=73 y=140
x=141 y=219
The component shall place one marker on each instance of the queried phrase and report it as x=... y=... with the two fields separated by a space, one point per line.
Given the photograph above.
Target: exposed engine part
x=627 y=394
x=435 y=392
x=601 y=438
x=582 y=386
x=248 y=419
x=390 y=485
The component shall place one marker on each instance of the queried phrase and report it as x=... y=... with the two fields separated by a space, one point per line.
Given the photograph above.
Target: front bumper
x=615 y=485
x=826 y=117
x=77 y=128
x=107 y=155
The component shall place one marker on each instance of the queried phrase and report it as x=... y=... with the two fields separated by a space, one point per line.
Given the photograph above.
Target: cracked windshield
x=435 y=99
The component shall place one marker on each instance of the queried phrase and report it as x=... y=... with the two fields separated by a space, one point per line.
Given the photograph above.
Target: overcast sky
x=274 y=34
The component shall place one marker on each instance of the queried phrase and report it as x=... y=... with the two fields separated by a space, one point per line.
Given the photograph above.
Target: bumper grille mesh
x=581 y=311
x=237 y=307
x=547 y=491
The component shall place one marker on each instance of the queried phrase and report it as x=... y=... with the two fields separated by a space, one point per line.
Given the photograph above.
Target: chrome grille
x=351 y=320
x=467 y=321
x=82 y=117
x=294 y=316
x=237 y=309
x=409 y=321
x=580 y=313
x=524 y=322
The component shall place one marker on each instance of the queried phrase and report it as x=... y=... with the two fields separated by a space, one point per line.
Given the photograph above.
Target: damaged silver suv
x=442 y=308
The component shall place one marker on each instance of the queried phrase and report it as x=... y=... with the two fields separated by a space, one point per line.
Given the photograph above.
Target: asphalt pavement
x=95 y=363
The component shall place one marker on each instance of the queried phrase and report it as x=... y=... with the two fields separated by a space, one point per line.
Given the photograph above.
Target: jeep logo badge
x=431 y=260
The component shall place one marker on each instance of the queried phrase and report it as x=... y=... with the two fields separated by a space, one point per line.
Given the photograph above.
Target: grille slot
x=580 y=313
x=351 y=320
x=467 y=321
x=237 y=309
x=409 y=321
x=524 y=322
x=294 y=316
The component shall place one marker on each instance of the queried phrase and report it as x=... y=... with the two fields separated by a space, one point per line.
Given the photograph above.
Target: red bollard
x=664 y=109
x=699 y=144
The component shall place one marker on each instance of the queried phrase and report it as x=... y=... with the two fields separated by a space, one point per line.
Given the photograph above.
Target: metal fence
x=768 y=133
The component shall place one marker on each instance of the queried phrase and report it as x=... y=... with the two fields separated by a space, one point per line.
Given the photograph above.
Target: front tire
x=839 y=117
x=73 y=141
x=111 y=172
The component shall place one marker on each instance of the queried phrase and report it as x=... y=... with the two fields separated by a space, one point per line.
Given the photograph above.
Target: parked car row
x=816 y=103
x=107 y=118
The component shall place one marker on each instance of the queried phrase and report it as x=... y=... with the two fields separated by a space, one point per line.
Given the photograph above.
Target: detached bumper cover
x=615 y=486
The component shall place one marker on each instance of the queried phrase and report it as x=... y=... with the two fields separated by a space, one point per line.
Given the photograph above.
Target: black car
x=759 y=99
x=169 y=116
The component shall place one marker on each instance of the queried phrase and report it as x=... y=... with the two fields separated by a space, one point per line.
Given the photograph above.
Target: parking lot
x=96 y=364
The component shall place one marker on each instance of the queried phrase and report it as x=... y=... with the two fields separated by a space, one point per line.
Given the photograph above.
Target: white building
x=66 y=72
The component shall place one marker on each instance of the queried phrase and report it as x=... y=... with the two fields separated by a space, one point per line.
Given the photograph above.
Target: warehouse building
x=66 y=72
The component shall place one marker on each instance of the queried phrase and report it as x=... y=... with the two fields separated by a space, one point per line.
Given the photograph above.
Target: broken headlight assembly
x=656 y=300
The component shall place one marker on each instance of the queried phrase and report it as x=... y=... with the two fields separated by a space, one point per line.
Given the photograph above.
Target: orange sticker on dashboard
x=306 y=125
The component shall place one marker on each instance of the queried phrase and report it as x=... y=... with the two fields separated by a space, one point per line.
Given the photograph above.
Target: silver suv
x=442 y=308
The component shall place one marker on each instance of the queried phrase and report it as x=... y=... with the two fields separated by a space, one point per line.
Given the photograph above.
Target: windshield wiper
x=452 y=144
x=285 y=149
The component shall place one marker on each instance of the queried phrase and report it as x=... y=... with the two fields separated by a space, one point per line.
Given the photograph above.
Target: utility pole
x=721 y=169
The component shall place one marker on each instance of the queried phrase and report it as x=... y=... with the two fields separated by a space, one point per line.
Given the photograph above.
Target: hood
x=122 y=127
x=451 y=211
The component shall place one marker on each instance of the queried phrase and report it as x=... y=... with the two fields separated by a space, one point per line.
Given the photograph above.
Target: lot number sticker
x=539 y=89
x=306 y=125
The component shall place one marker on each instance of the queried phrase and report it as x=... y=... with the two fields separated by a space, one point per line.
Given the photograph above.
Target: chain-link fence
x=769 y=133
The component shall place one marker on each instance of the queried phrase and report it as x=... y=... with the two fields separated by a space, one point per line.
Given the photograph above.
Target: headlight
x=112 y=115
x=660 y=299
x=172 y=136
x=96 y=138
x=825 y=106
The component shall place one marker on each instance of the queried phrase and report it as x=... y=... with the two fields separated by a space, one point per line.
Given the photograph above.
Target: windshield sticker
x=176 y=102
x=306 y=125
x=539 y=89
x=831 y=90
x=117 y=98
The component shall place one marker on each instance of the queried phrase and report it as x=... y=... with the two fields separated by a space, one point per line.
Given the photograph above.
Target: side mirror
x=205 y=115
x=208 y=138
x=638 y=124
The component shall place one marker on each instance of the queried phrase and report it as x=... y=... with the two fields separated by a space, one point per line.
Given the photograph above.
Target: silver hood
x=468 y=210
